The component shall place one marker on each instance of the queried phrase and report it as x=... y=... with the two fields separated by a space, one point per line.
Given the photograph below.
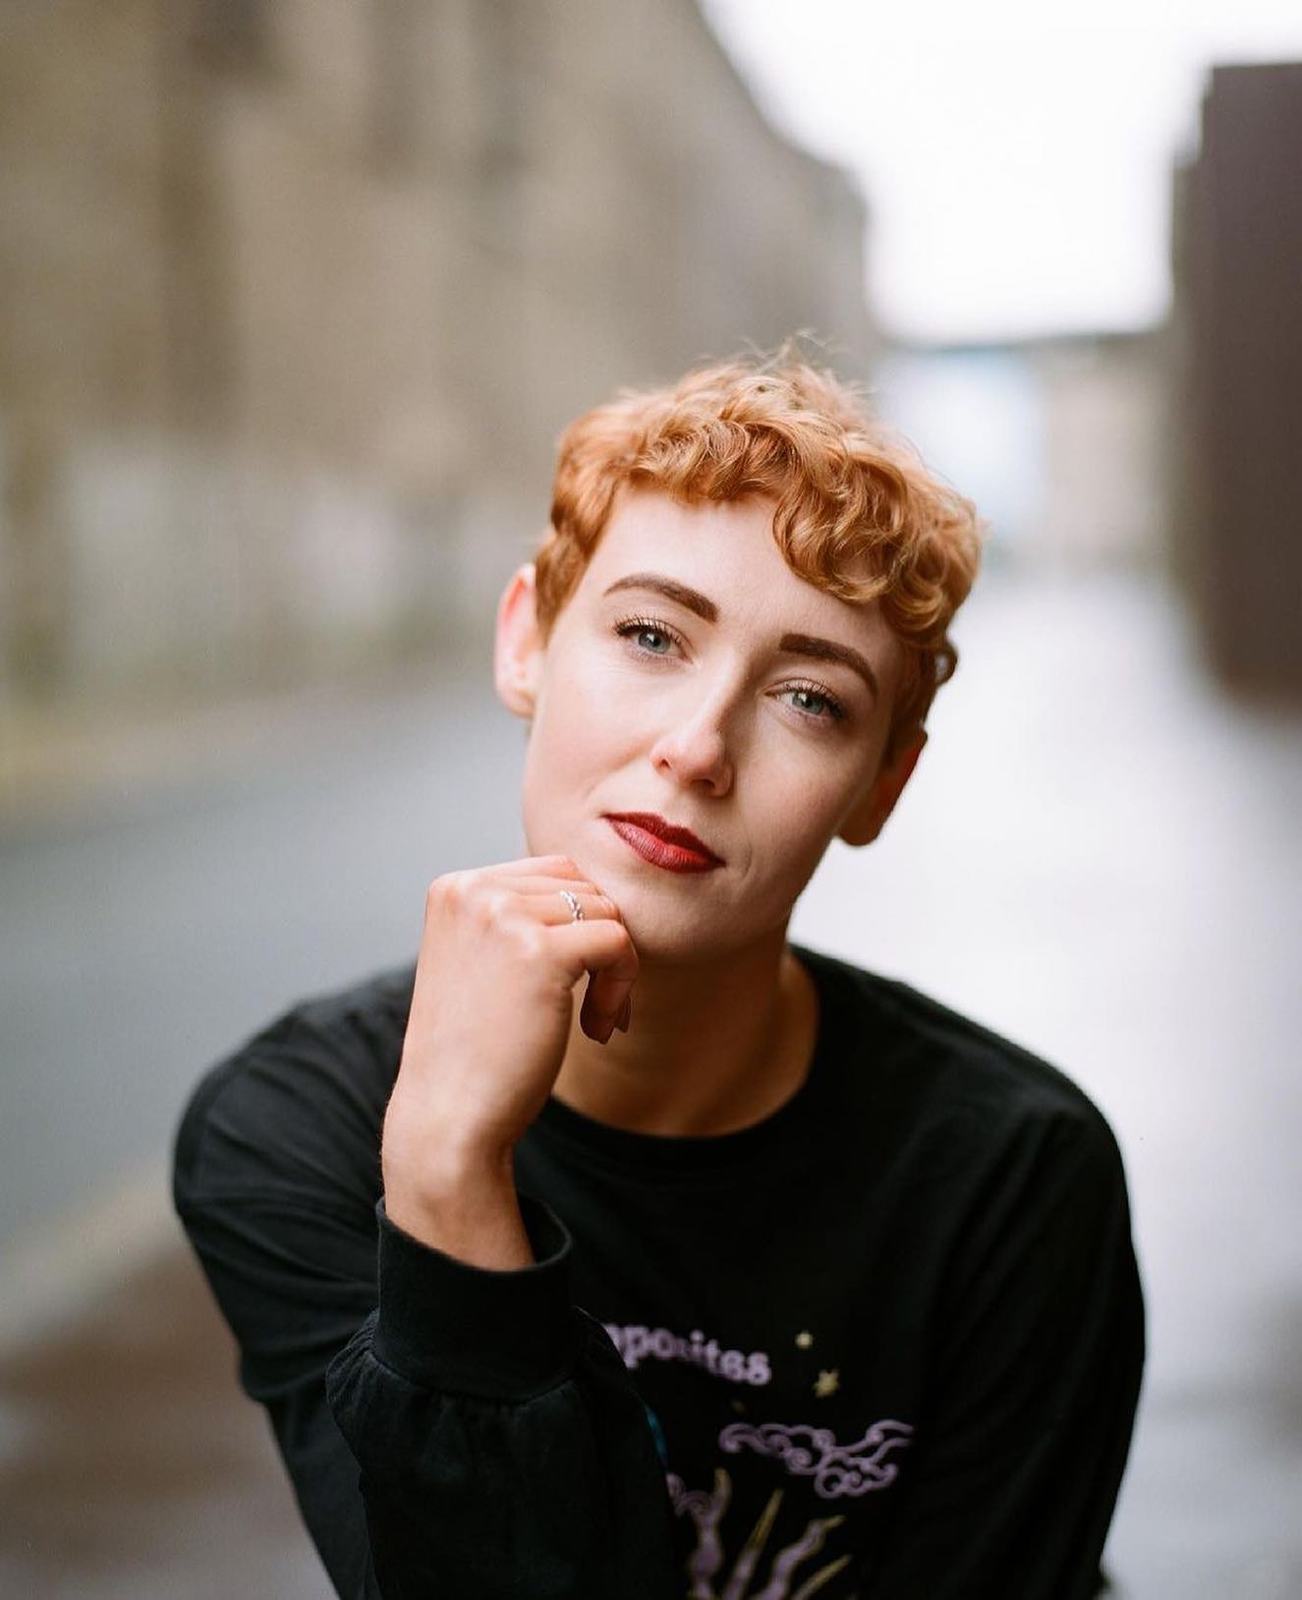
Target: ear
x=868 y=817
x=518 y=648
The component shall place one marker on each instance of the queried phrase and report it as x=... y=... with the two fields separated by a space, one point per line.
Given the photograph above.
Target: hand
x=500 y=957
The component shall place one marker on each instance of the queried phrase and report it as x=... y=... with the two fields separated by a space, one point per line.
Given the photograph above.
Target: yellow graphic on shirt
x=828 y=1383
x=705 y=1564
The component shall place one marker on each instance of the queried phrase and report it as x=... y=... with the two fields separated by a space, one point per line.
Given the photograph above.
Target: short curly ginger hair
x=858 y=514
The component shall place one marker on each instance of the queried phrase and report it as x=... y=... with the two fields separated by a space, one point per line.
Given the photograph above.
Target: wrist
x=423 y=1153
x=461 y=1200
x=443 y=1182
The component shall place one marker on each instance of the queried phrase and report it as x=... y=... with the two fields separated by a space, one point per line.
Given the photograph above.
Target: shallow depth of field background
x=294 y=299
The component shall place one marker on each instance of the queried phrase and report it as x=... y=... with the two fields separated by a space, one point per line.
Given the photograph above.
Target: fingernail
x=625 y=1014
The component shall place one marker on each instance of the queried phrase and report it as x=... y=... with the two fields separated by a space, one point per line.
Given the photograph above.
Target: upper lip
x=684 y=837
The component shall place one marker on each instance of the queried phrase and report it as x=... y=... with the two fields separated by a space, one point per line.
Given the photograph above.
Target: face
x=694 y=677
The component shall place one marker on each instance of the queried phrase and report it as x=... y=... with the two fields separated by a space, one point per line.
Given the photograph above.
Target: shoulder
x=966 y=1093
x=300 y=1102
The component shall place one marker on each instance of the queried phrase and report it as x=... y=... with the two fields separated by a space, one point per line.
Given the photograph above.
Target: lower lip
x=659 y=852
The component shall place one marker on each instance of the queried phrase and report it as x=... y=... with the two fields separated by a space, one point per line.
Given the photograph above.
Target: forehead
x=726 y=551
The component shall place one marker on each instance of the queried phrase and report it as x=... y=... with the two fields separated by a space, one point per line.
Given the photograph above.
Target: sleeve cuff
x=445 y=1324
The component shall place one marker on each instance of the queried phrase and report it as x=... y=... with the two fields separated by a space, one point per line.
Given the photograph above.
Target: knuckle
x=442 y=891
x=615 y=944
x=529 y=941
x=490 y=907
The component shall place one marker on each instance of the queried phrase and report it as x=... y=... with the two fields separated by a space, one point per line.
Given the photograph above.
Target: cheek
x=802 y=811
x=815 y=780
x=594 y=712
x=567 y=753
x=797 y=822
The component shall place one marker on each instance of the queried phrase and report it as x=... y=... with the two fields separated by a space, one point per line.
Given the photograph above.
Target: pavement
x=1098 y=856
x=132 y=1470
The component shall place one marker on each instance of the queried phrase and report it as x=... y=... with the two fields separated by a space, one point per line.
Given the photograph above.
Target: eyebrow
x=804 y=645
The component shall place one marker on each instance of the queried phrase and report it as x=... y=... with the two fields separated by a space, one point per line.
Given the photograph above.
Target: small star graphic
x=828 y=1383
x=804 y=1340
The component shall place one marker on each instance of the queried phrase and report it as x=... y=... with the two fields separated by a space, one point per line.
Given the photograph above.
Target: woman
x=752 y=1274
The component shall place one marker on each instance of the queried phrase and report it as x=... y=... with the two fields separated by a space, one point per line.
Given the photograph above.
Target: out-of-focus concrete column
x=1238 y=269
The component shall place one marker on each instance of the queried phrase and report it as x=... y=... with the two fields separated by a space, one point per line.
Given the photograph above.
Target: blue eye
x=821 y=705
x=834 y=712
x=636 y=627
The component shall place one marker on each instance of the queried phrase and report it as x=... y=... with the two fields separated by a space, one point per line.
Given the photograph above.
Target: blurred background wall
x=295 y=296
x=1237 y=378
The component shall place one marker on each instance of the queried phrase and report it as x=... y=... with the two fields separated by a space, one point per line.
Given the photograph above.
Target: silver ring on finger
x=572 y=900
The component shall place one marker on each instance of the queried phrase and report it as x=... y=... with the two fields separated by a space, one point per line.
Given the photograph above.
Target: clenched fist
x=500 y=957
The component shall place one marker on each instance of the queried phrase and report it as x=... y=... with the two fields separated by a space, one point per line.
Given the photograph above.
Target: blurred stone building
x=294 y=299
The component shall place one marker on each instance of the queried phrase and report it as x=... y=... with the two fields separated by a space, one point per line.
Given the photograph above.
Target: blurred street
x=1098 y=856
x=295 y=303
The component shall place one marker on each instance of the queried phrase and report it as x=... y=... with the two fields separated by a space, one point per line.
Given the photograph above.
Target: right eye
x=639 y=629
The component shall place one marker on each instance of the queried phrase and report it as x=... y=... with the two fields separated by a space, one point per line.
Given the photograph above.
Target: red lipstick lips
x=662 y=844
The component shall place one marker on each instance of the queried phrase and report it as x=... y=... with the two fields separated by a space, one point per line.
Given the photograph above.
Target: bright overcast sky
x=1016 y=155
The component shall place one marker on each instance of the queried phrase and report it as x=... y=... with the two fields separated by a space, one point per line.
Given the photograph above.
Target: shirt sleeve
x=449 y=1431
x=501 y=1445
x=1037 y=1361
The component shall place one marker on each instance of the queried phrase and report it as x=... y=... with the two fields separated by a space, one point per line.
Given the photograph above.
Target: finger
x=605 y=1004
x=550 y=904
x=600 y=1024
x=603 y=948
x=547 y=884
x=555 y=907
x=535 y=866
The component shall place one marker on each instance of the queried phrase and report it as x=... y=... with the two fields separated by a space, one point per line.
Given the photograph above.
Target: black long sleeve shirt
x=886 y=1343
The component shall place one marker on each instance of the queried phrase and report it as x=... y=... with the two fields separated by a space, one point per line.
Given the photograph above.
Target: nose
x=695 y=750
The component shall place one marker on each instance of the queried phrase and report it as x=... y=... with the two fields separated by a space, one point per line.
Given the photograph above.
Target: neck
x=713 y=1047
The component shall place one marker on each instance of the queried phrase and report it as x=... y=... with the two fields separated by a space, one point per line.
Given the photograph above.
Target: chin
x=675 y=937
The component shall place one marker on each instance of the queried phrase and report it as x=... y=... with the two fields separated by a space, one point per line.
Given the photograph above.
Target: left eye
x=832 y=708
